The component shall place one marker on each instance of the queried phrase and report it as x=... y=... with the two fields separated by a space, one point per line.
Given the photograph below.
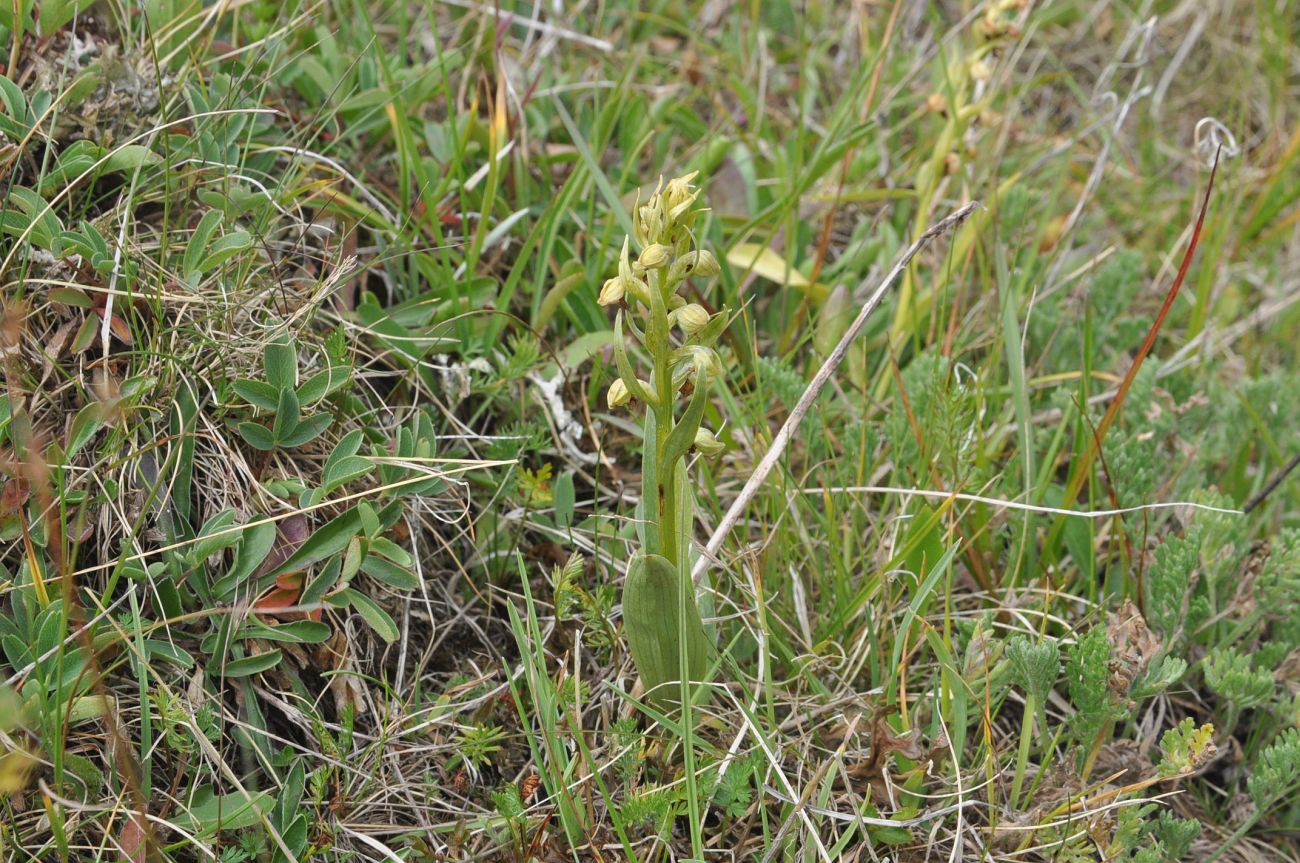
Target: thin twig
x=815 y=387
x=1272 y=484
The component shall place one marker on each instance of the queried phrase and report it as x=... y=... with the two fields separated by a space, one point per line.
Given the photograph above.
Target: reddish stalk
x=1080 y=472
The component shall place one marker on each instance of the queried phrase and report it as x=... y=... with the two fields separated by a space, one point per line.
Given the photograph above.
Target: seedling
x=284 y=397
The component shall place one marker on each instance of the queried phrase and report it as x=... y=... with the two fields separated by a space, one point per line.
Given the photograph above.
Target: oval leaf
x=250 y=665
x=378 y=619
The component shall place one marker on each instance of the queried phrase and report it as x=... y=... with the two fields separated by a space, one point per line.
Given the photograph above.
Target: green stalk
x=663 y=380
x=1236 y=836
x=1022 y=757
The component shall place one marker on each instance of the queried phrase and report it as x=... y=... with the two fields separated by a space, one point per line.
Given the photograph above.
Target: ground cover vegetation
x=382 y=381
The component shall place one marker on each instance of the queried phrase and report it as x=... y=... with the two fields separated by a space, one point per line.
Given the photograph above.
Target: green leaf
x=207 y=545
x=1185 y=748
x=14 y=224
x=296 y=632
x=391 y=550
x=257 y=393
x=1176 y=834
x=258 y=436
x=389 y=573
x=322 y=583
x=257 y=542
x=90 y=707
x=1034 y=667
x=653 y=613
x=1086 y=673
x=369 y=519
x=1276 y=775
x=287 y=414
x=198 y=245
x=291 y=793
x=683 y=433
x=564 y=500
x=348 y=445
x=378 y=619
x=1232 y=677
x=71 y=297
x=330 y=539
x=84 y=426
x=308 y=430
x=344 y=470
x=250 y=665
x=321 y=384
x=16 y=650
x=168 y=652
x=352 y=559
x=75 y=160
x=167 y=598
x=225 y=248
x=87 y=772
x=85 y=336
x=11 y=96
x=281 y=363
x=46 y=226
x=130 y=157
x=208 y=813
x=1161 y=674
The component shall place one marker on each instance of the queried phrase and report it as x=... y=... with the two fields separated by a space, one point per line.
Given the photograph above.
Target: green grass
x=314 y=519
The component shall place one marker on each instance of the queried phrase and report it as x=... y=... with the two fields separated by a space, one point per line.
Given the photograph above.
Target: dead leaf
x=290 y=533
x=728 y=193
x=766 y=262
x=345 y=688
x=884 y=741
x=285 y=594
x=121 y=330
x=58 y=342
x=133 y=839
x=15 y=493
x=11 y=327
x=1133 y=646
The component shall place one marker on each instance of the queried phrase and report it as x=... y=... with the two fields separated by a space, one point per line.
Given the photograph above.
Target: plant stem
x=663 y=380
x=1022 y=757
x=667 y=500
x=1236 y=836
x=1103 y=734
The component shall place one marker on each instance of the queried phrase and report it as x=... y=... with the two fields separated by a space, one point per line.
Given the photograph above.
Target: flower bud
x=701 y=263
x=706 y=360
x=708 y=445
x=692 y=318
x=706 y=265
x=612 y=292
x=618 y=394
x=654 y=256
